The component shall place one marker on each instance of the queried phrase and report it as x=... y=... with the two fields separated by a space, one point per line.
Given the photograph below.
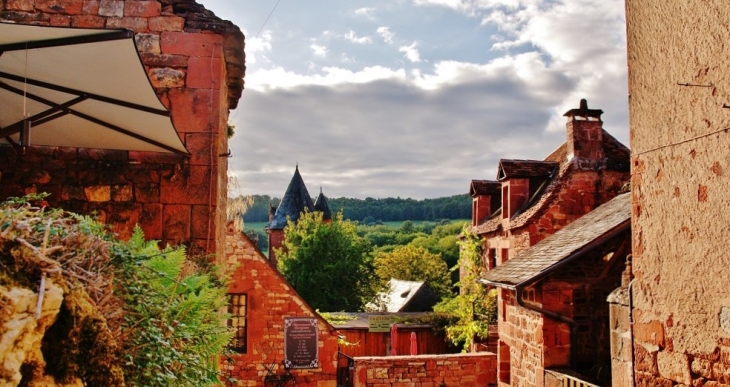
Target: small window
x=237 y=321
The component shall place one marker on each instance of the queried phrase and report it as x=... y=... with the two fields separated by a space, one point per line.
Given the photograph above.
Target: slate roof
x=360 y=320
x=484 y=187
x=295 y=200
x=539 y=260
x=321 y=205
x=617 y=157
x=525 y=168
x=407 y=296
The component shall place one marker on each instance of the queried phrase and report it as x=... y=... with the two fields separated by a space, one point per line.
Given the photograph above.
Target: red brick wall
x=270 y=300
x=459 y=370
x=524 y=339
x=174 y=199
x=578 y=194
x=481 y=208
x=276 y=241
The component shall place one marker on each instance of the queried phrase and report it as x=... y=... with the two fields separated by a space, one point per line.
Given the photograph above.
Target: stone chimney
x=585 y=136
x=272 y=211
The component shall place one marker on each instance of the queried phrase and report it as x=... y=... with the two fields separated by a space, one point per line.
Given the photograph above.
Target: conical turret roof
x=295 y=200
x=321 y=205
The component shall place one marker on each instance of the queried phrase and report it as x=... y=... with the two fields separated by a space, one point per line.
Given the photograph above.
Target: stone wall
x=621 y=338
x=270 y=300
x=459 y=370
x=679 y=82
x=529 y=341
x=579 y=192
x=196 y=70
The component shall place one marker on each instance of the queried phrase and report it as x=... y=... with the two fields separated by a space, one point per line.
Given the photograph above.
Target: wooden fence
x=364 y=343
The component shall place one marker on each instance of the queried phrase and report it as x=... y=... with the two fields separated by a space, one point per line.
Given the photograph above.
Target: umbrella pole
x=25 y=135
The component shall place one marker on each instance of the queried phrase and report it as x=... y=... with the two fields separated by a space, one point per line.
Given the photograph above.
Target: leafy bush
x=125 y=303
x=173 y=330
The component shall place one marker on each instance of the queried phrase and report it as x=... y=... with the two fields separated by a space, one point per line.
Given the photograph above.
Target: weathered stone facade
x=464 y=370
x=536 y=199
x=195 y=62
x=270 y=300
x=679 y=83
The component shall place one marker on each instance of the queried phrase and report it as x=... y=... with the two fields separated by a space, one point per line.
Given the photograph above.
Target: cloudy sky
x=415 y=98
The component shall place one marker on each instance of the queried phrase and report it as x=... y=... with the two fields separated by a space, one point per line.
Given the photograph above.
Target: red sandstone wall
x=680 y=182
x=270 y=300
x=174 y=199
x=461 y=370
x=578 y=194
x=529 y=340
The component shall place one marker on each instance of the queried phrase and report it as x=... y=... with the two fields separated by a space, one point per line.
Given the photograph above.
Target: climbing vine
x=475 y=308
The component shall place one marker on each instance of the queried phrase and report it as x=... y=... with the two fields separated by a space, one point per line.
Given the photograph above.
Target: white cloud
x=365 y=12
x=583 y=39
x=351 y=36
x=411 y=52
x=385 y=33
x=319 y=50
x=279 y=78
x=257 y=46
x=471 y=7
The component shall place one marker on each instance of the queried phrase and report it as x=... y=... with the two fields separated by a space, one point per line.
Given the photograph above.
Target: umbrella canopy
x=393 y=339
x=83 y=88
x=414 y=344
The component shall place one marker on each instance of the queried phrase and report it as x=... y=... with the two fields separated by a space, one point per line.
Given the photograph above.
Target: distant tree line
x=371 y=210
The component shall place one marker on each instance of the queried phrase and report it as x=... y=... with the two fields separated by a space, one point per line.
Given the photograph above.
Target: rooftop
x=539 y=260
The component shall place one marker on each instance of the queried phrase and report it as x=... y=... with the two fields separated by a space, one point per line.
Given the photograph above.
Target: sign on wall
x=379 y=322
x=301 y=349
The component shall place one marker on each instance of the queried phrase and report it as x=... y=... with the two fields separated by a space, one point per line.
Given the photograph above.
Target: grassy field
x=259 y=226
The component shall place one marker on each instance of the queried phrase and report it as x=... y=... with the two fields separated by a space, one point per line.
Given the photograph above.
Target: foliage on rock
x=129 y=313
x=173 y=330
x=475 y=308
x=327 y=262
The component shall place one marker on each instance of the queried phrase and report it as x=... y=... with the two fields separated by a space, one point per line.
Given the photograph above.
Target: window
x=237 y=321
x=492 y=263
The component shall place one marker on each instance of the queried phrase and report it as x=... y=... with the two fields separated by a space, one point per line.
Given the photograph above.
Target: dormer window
x=520 y=180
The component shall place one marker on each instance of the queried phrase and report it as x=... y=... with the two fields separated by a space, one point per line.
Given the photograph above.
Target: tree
x=327 y=263
x=413 y=263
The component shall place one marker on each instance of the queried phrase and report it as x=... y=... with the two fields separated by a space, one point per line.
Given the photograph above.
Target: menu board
x=379 y=323
x=301 y=342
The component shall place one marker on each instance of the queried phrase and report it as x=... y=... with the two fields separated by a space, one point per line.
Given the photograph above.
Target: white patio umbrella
x=83 y=88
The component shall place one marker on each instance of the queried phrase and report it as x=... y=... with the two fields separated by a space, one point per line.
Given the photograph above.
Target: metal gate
x=345 y=369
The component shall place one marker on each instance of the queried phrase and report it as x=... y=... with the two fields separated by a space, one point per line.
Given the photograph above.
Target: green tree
x=413 y=263
x=327 y=263
x=475 y=308
x=407 y=227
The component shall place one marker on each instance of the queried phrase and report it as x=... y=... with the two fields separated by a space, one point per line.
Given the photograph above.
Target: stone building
x=267 y=300
x=680 y=87
x=195 y=63
x=553 y=316
x=531 y=200
x=296 y=200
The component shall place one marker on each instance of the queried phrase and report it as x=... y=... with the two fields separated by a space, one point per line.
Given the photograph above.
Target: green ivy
x=475 y=308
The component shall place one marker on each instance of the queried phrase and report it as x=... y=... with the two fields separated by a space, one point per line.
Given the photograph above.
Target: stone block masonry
x=455 y=370
x=270 y=300
x=680 y=143
x=195 y=62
